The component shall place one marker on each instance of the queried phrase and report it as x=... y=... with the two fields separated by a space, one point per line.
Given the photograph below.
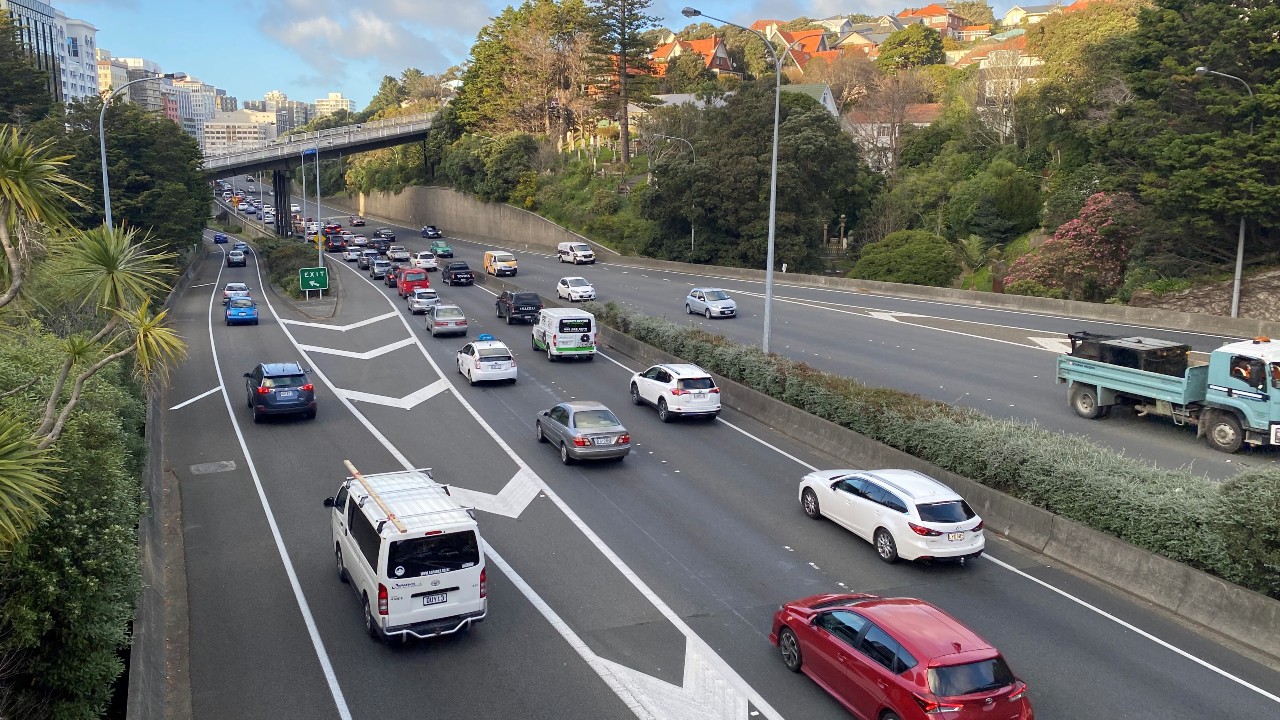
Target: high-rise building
x=77 y=57
x=292 y=114
x=238 y=130
x=203 y=106
x=38 y=31
x=332 y=104
x=275 y=96
x=112 y=74
x=147 y=94
x=227 y=103
x=255 y=105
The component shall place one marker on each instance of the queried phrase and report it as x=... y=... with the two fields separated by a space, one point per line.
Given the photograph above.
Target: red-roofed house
x=974 y=32
x=947 y=23
x=712 y=50
x=878 y=130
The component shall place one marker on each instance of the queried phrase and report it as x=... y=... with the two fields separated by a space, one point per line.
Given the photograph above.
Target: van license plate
x=435 y=599
x=955 y=536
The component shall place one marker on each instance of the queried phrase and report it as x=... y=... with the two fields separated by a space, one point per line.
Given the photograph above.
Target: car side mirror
x=248 y=375
x=328 y=502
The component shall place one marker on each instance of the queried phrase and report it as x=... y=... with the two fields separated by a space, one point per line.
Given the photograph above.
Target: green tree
x=485 y=100
x=977 y=12
x=1086 y=257
x=618 y=27
x=915 y=257
x=911 y=46
x=23 y=86
x=390 y=94
x=997 y=204
x=27 y=483
x=687 y=72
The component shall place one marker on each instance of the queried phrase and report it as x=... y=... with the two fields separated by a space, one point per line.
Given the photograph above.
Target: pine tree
x=23 y=86
x=618 y=27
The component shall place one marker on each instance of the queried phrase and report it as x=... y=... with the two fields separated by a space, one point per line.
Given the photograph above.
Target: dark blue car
x=219 y=238
x=242 y=310
x=279 y=389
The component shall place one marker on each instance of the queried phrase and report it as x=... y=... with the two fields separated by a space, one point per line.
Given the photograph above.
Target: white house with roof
x=1029 y=14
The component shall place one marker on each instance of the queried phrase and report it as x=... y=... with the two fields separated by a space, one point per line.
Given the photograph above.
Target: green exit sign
x=315 y=278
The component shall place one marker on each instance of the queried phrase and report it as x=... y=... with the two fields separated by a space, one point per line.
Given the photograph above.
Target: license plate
x=955 y=536
x=524 y=309
x=602 y=441
x=285 y=394
x=435 y=599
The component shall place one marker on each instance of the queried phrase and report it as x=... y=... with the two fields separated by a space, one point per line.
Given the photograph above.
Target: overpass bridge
x=282 y=155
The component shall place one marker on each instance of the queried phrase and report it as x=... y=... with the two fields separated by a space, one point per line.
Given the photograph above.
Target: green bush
x=1165 y=286
x=916 y=257
x=1033 y=289
x=1233 y=533
x=284 y=258
x=69 y=589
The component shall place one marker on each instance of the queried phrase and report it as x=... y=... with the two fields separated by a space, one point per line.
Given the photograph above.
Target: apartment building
x=238 y=130
x=112 y=74
x=332 y=104
x=77 y=57
x=38 y=31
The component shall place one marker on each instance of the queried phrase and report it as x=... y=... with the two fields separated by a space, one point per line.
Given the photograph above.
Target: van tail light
x=382 y=599
x=981 y=524
x=580 y=441
x=922 y=530
x=308 y=387
x=933 y=707
x=263 y=390
x=484 y=582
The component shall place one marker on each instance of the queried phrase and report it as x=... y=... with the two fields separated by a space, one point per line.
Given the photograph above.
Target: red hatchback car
x=897 y=659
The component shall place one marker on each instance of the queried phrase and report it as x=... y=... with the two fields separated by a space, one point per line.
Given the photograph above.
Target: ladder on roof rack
x=376 y=497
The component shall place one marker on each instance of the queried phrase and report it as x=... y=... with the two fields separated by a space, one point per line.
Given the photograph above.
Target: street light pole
x=773 y=167
x=695 y=159
x=1235 y=287
x=102 y=139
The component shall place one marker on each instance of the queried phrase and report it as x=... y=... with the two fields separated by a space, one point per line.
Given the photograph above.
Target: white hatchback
x=425 y=261
x=574 y=289
x=903 y=513
x=676 y=389
x=486 y=360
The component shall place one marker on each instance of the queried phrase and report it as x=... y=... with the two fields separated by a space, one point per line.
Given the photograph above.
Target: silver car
x=422 y=300
x=583 y=430
x=378 y=270
x=446 y=320
x=710 y=302
x=352 y=253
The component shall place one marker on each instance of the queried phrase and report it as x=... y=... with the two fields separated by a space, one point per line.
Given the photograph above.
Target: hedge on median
x=283 y=258
x=1229 y=529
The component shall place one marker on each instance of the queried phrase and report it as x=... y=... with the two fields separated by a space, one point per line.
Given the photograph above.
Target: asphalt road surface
x=635 y=589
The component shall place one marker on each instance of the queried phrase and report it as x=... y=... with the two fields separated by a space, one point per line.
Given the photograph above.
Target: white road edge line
x=204 y=394
x=312 y=630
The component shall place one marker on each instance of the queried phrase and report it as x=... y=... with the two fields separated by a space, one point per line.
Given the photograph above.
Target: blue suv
x=279 y=389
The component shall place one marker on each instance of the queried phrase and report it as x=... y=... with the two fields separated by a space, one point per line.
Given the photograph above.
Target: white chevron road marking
x=510 y=502
x=408 y=402
x=366 y=355
x=343 y=328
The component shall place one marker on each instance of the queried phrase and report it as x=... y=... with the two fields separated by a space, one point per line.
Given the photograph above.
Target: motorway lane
x=713 y=525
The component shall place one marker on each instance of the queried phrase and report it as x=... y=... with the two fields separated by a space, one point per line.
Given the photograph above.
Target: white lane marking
x=1129 y=626
x=366 y=355
x=193 y=287
x=514 y=497
x=201 y=396
x=1055 y=345
x=341 y=328
x=408 y=402
x=308 y=619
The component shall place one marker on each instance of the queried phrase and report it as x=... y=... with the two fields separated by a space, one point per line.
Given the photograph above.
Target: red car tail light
x=981 y=524
x=475 y=362
x=624 y=438
x=922 y=530
x=715 y=390
x=678 y=391
x=484 y=582
x=933 y=707
x=382 y=599
x=308 y=387
x=580 y=441
x=264 y=390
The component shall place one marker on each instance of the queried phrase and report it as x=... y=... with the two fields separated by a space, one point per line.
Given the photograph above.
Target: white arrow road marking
x=510 y=502
x=892 y=316
x=408 y=402
x=343 y=328
x=201 y=396
x=1053 y=344
x=367 y=355
x=704 y=695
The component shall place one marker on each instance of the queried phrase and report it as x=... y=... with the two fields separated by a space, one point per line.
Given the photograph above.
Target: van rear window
x=575 y=325
x=433 y=554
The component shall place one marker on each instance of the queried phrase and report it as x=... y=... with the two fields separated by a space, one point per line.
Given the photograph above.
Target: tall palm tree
x=26 y=484
x=34 y=196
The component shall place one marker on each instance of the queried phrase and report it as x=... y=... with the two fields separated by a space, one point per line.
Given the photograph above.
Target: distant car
x=242 y=310
x=446 y=320
x=441 y=249
x=279 y=389
x=293 y=207
x=902 y=513
x=518 y=306
x=574 y=289
x=398 y=253
x=378 y=270
x=486 y=360
x=352 y=253
x=922 y=662
x=457 y=273
x=335 y=243
x=234 y=290
x=243 y=206
x=710 y=302
x=366 y=258
x=357 y=222
x=386 y=233
x=392 y=277
x=422 y=300
x=430 y=231
x=251 y=211
x=359 y=240
x=236 y=258
x=424 y=261
x=241 y=246
x=219 y=238
x=410 y=279
x=382 y=245
x=676 y=389
x=583 y=430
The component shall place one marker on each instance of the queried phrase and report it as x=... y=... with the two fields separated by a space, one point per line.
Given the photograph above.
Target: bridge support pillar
x=284 y=218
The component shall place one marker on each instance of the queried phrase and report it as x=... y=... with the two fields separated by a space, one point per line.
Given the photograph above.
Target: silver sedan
x=583 y=430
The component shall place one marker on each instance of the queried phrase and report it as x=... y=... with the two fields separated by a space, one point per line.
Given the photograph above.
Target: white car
x=710 y=303
x=398 y=253
x=234 y=290
x=574 y=289
x=424 y=261
x=359 y=240
x=243 y=206
x=486 y=360
x=676 y=389
x=422 y=300
x=294 y=207
x=352 y=253
x=903 y=513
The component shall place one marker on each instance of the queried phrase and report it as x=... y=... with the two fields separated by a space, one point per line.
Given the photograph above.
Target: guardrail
x=345 y=136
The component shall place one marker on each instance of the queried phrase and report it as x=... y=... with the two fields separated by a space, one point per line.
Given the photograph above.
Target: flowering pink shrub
x=1086 y=257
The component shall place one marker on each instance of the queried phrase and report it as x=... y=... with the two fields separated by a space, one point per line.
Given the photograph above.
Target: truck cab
x=1244 y=377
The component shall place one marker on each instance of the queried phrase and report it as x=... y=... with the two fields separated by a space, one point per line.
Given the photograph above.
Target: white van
x=565 y=332
x=575 y=252
x=413 y=556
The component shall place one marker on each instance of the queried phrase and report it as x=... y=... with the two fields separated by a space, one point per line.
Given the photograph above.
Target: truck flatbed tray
x=1148 y=354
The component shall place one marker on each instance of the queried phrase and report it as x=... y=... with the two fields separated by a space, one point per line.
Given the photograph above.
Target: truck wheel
x=1084 y=400
x=1224 y=433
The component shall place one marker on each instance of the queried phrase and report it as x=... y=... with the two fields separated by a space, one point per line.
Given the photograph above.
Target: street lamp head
x=175 y=76
x=690 y=12
x=1202 y=70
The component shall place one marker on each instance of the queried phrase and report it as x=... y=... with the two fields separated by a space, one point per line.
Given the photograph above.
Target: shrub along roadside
x=284 y=257
x=1230 y=530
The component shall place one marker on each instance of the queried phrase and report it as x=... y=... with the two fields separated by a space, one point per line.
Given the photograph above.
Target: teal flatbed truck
x=1232 y=400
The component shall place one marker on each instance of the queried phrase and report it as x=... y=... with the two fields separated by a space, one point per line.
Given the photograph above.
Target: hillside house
x=947 y=23
x=818 y=91
x=712 y=51
x=1028 y=14
x=878 y=130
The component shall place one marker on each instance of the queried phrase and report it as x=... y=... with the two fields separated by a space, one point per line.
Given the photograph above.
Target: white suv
x=905 y=514
x=676 y=389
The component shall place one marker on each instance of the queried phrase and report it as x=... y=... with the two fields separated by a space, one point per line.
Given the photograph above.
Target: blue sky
x=308 y=48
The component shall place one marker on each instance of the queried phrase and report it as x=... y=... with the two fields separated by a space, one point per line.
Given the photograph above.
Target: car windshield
x=424 y=295
x=284 y=381
x=495 y=353
x=946 y=512
x=382 y=263
x=242 y=303
x=702 y=383
x=579 y=282
x=504 y=257
x=976 y=677
x=594 y=419
x=237 y=287
x=415 y=275
x=717 y=295
x=236 y=253
x=575 y=326
x=525 y=299
x=450 y=313
x=433 y=554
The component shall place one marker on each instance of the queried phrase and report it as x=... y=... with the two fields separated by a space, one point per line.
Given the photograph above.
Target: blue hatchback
x=219 y=238
x=242 y=310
